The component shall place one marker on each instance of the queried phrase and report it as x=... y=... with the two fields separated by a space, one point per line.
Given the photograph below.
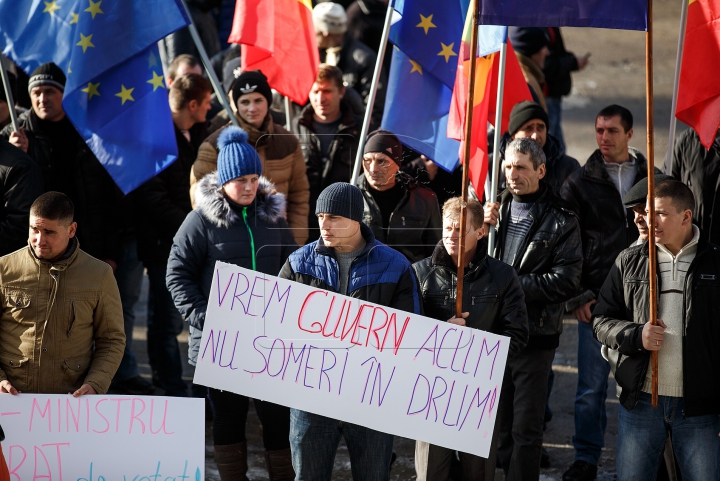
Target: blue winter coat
x=254 y=237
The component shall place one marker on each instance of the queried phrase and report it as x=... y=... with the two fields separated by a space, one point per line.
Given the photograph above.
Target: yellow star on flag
x=156 y=81
x=125 y=94
x=51 y=7
x=91 y=89
x=85 y=42
x=75 y=18
x=426 y=23
x=415 y=67
x=447 y=51
x=94 y=8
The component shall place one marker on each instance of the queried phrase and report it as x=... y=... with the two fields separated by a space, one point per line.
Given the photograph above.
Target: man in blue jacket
x=347 y=259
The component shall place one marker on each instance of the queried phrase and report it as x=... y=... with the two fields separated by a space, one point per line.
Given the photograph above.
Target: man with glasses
x=400 y=212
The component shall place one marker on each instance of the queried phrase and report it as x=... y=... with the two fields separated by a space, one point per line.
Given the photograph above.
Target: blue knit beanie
x=236 y=157
x=341 y=199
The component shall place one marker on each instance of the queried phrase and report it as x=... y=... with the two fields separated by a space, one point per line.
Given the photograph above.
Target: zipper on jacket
x=252 y=240
x=72 y=322
x=403 y=219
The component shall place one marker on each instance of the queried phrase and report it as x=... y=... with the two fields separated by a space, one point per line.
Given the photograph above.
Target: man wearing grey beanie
x=343 y=252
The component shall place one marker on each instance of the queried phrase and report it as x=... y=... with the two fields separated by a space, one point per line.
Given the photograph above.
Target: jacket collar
x=64 y=262
x=697 y=240
x=595 y=165
x=211 y=202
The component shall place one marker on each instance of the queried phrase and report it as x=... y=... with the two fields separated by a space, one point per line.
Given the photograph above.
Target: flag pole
x=496 y=143
x=652 y=248
x=8 y=95
x=468 y=134
x=373 y=91
x=676 y=86
x=219 y=92
x=288 y=114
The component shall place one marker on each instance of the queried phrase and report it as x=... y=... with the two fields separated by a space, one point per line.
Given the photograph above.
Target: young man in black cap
x=68 y=165
x=400 y=212
x=529 y=120
x=347 y=250
x=531 y=50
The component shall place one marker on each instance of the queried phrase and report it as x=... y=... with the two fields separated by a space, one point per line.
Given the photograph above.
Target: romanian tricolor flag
x=487 y=68
x=698 y=103
x=278 y=38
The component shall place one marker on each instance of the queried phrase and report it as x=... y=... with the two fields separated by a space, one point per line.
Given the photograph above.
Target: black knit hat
x=385 y=142
x=341 y=199
x=47 y=74
x=524 y=111
x=250 y=82
x=529 y=40
x=638 y=193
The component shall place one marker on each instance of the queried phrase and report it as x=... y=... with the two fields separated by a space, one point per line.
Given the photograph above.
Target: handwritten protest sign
x=103 y=438
x=314 y=350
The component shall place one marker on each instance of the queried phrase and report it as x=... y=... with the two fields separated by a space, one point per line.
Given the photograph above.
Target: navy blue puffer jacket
x=254 y=237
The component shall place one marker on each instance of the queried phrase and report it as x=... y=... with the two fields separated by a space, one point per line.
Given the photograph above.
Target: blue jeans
x=128 y=275
x=164 y=325
x=554 y=106
x=314 y=441
x=641 y=438
x=590 y=416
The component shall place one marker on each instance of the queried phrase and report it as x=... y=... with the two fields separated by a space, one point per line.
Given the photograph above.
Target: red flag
x=278 y=38
x=485 y=101
x=698 y=103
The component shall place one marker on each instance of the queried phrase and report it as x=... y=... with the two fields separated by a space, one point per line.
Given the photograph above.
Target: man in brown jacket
x=61 y=322
x=279 y=150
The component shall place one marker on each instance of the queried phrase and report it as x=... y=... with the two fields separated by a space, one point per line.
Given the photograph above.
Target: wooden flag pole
x=468 y=135
x=652 y=262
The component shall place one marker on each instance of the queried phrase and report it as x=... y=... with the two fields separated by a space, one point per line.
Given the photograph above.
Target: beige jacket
x=534 y=76
x=52 y=317
x=283 y=164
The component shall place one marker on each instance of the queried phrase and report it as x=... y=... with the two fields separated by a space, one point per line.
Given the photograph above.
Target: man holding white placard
x=494 y=301
x=347 y=259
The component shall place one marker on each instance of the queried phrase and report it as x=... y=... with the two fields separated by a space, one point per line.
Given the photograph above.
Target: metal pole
x=652 y=254
x=163 y=57
x=498 y=132
x=676 y=86
x=8 y=95
x=208 y=68
x=373 y=91
x=288 y=114
x=466 y=160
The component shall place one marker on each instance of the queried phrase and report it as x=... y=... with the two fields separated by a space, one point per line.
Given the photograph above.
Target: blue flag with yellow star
x=115 y=93
x=422 y=76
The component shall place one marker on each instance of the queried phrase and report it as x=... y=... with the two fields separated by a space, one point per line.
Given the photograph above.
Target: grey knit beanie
x=341 y=199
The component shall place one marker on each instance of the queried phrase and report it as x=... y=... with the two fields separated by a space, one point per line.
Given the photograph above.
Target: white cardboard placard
x=55 y=437
x=310 y=349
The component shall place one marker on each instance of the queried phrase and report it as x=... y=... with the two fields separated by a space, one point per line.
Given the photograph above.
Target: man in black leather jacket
x=400 y=212
x=686 y=340
x=493 y=300
x=539 y=236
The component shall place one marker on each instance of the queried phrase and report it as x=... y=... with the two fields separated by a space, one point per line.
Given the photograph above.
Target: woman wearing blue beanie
x=239 y=219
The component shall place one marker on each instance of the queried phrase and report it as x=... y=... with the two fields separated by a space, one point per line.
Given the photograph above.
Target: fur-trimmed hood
x=210 y=201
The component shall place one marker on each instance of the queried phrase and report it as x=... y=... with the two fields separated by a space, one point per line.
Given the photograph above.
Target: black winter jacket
x=491 y=294
x=379 y=274
x=699 y=168
x=20 y=184
x=549 y=263
x=559 y=165
x=163 y=202
x=558 y=65
x=606 y=226
x=95 y=195
x=341 y=156
x=415 y=224
x=219 y=230
x=623 y=309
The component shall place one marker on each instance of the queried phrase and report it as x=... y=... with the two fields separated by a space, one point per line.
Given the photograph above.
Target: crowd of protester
x=571 y=241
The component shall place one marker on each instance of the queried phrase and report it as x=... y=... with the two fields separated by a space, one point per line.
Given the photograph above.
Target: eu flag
x=620 y=14
x=115 y=93
x=422 y=76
